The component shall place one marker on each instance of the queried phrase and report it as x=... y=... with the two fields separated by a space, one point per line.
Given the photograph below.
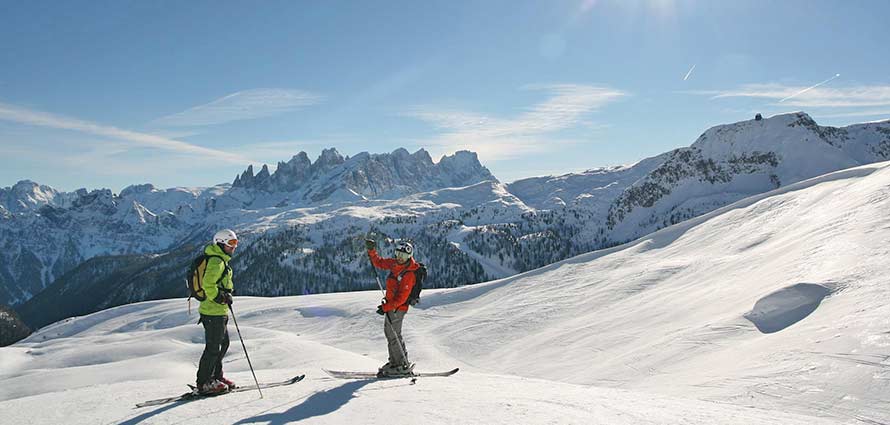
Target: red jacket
x=396 y=292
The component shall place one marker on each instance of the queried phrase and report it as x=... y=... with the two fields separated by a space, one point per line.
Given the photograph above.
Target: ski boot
x=393 y=371
x=228 y=383
x=214 y=387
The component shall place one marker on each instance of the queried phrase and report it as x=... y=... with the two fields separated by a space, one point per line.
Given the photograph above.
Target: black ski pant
x=392 y=328
x=216 y=340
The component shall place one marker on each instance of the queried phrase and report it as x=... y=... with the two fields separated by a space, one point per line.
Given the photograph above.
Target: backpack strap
x=223 y=275
x=402 y=274
x=225 y=267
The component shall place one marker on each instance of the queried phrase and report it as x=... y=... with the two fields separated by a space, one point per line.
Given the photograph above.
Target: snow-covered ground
x=773 y=310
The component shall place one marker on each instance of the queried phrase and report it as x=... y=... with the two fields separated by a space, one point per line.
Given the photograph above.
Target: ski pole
x=386 y=316
x=245 y=351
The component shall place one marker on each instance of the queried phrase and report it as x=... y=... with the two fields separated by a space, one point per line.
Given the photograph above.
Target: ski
x=192 y=395
x=373 y=375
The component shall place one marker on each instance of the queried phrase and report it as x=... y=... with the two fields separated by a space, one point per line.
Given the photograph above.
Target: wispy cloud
x=42 y=119
x=819 y=97
x=176 y=133
x=863 y=113
x=242 y=105
x=272 y=152
x=530 y=132
x=89 y=161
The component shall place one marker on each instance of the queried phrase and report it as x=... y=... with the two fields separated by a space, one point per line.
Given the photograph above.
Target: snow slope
x=772 y=310
x=93 y=369
x=777 y=301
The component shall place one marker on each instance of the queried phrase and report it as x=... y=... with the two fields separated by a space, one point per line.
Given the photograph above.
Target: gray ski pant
x=392 y=328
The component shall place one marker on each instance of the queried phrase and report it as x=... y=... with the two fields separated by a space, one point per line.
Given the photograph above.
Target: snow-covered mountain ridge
x=364 y=176
x=726 y=163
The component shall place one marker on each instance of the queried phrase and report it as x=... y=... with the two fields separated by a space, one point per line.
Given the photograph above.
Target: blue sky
x=112 y=93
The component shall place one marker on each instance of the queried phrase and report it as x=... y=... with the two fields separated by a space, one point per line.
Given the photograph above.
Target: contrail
x=810 y=88
x=689 y=73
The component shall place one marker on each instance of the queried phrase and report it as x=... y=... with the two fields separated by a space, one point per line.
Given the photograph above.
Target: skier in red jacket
x=394 y=307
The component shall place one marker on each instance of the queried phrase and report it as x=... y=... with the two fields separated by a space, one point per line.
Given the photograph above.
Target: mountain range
x=302 y=225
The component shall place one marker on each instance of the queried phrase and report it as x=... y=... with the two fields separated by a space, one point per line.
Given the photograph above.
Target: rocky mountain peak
x=462 y=167
x=369 y=175
x=27 y=195
x=137 y=189
x=423 y=156
x=328 y=159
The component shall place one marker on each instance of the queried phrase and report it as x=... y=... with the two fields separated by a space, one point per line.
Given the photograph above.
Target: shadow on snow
x=138 y=419
x=318 y=404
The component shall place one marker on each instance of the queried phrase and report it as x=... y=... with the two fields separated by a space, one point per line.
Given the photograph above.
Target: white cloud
x=242 y=105
x=529 y=133
x=177 y=133
x=820 y=97
x=448 y=120
x=42 y=119
x=92 y=162
x=864 y=113
x=272 y=152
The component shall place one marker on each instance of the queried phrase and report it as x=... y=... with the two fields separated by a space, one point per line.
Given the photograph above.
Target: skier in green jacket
x=217 y=284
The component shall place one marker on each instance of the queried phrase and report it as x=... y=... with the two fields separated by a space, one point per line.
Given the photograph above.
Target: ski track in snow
x=771 y=310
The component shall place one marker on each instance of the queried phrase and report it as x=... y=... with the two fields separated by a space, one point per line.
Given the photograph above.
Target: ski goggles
x=232 y=243
x=402 y=255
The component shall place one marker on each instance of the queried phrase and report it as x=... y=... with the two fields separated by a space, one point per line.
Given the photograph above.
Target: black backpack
x=419 y=277
x=195 y=278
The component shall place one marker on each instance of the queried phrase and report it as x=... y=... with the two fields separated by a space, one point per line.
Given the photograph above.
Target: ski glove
x=370 y=244
x=223 y=298
x=380 y=310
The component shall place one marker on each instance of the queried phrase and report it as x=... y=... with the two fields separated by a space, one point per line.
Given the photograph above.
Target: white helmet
x=226 y=237
x=405 y=247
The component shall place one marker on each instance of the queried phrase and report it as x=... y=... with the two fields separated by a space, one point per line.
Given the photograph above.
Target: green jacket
x=215 y=268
